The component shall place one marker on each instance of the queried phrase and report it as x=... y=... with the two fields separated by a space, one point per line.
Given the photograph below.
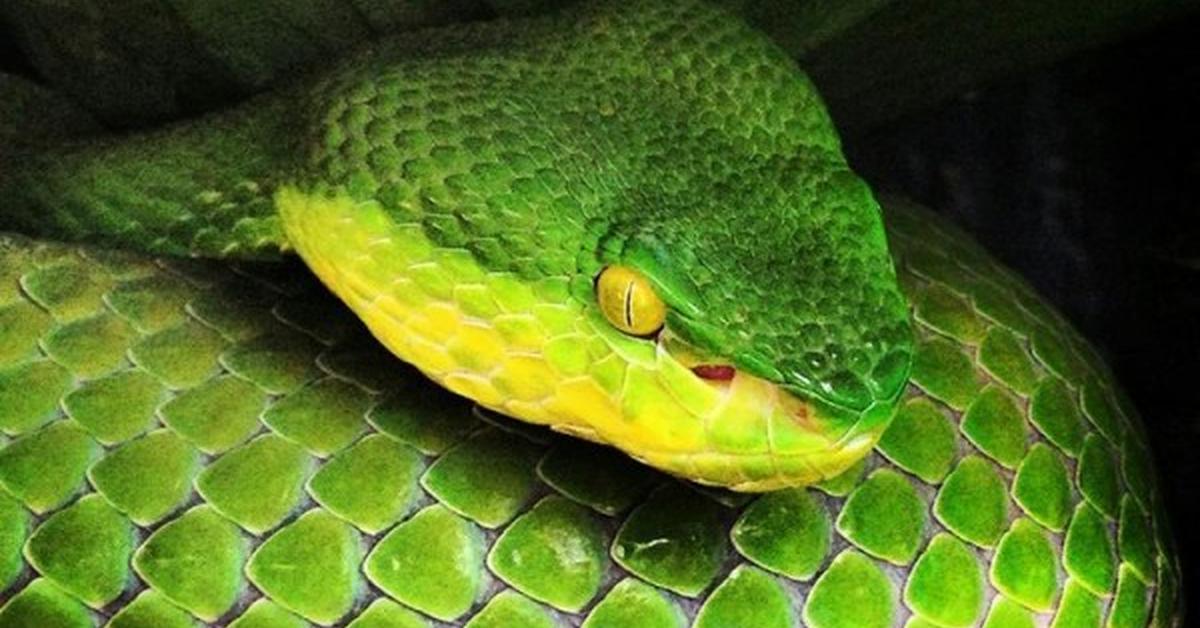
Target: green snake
x=630 y=223
x=465 y=203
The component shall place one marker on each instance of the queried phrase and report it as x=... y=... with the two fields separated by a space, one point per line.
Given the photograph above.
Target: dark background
x=1084 y=177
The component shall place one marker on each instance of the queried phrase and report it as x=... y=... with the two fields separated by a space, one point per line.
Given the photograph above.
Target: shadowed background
x=1083 y=176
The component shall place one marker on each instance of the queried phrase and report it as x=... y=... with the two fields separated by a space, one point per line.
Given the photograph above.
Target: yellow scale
x=530 y=351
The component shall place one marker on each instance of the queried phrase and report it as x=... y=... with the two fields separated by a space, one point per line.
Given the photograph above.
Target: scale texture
x=459 y=189
x=190 y=442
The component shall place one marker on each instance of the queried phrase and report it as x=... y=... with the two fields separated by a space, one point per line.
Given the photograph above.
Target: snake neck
x=202 y=188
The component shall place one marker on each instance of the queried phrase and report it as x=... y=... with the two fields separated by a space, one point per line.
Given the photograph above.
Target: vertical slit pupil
x=629 y=305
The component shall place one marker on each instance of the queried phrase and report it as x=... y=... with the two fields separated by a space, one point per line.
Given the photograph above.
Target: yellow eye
x=629 y=302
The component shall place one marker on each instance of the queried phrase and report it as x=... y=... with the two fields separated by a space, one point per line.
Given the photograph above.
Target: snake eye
x=629 y=302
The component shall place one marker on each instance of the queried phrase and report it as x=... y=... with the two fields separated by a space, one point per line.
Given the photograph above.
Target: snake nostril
x=715 y=372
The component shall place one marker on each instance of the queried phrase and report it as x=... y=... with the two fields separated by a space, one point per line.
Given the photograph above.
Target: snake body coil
x=630 y=222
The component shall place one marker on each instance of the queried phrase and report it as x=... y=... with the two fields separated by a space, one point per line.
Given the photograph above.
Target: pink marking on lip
x=715 y=372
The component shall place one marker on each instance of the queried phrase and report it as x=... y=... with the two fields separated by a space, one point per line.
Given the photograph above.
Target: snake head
x=781 y=310
x=474 y=208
